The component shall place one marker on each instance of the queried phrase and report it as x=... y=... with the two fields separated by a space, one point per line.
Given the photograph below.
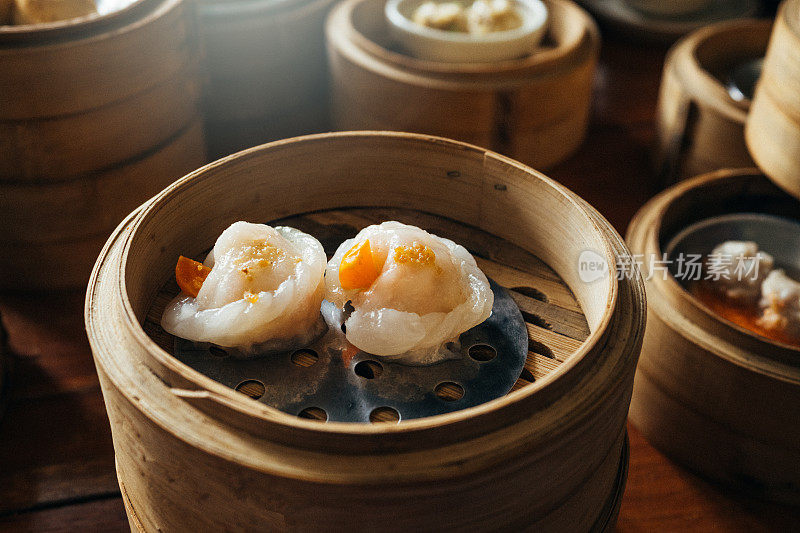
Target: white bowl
x=458 y=47
x=668 y=8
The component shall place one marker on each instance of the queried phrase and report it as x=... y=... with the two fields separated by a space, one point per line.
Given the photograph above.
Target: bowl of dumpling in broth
x=718 y=382
x=350 y=326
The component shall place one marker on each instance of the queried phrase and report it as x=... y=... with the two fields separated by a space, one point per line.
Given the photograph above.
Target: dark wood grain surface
x=56 y=457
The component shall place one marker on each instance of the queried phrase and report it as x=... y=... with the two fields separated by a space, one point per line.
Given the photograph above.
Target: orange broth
x=744 y=315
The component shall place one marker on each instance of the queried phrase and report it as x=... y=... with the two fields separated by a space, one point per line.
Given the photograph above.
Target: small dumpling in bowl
x=780 y=303
x=739 y=268
x=407 y=292
x=259 y=290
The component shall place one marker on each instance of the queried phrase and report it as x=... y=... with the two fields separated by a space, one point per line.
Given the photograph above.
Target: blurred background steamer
x=98 y=113
x=718 y=386
x=708 y=392
x=773 y=125
x=266 y=71
x=534 y=108
x=706 y=90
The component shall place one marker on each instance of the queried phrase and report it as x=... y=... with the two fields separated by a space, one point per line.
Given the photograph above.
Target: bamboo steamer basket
x=77 y=103
x=103 y=113
x=266 y=70
x=534 y=109
x=195 y=455
x=699 y=126
x=711 y=395
x=773 y=125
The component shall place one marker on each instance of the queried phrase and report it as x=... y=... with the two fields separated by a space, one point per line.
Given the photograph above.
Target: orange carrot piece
x=358 y=269
x=190 y=275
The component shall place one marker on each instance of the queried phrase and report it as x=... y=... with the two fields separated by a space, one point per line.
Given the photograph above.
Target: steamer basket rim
x=540 y=63
x=659 y=205
x=702 y=83
x=107 y=27
x=250 y=408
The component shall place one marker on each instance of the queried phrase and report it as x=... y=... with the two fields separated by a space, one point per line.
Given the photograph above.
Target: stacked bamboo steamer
x=266 y=71
x=713 y=396
x=773 y=125
x=195 y=455
x=716 y=397
x=699 y=125
x=97 y=115
x=534 y=109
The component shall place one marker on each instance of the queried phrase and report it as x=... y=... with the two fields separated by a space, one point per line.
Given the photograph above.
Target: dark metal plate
x=320 y=381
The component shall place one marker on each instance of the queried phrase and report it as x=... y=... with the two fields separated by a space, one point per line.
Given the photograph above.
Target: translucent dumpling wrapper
x=263 y=293
x=407 y=292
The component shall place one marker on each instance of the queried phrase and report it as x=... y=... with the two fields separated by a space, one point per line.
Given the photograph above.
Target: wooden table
x=56 y=458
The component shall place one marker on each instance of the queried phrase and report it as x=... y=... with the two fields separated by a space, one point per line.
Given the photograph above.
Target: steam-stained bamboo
x=700 y=127
x=773 y=126
x=535 y=109
x=713 y=396
x=189 y=449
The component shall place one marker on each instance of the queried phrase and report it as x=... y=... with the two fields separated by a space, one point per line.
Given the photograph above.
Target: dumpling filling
x=262 y=293
x=408 y=292
x=780 y=301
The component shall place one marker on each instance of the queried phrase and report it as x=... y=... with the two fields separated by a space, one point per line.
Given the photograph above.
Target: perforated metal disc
x=322 y=382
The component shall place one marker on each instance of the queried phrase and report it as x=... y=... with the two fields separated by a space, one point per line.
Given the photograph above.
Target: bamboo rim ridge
x=349 y=25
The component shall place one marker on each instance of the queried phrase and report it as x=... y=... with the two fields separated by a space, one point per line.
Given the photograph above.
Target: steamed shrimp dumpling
x=410 y=291
x=263 y=293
